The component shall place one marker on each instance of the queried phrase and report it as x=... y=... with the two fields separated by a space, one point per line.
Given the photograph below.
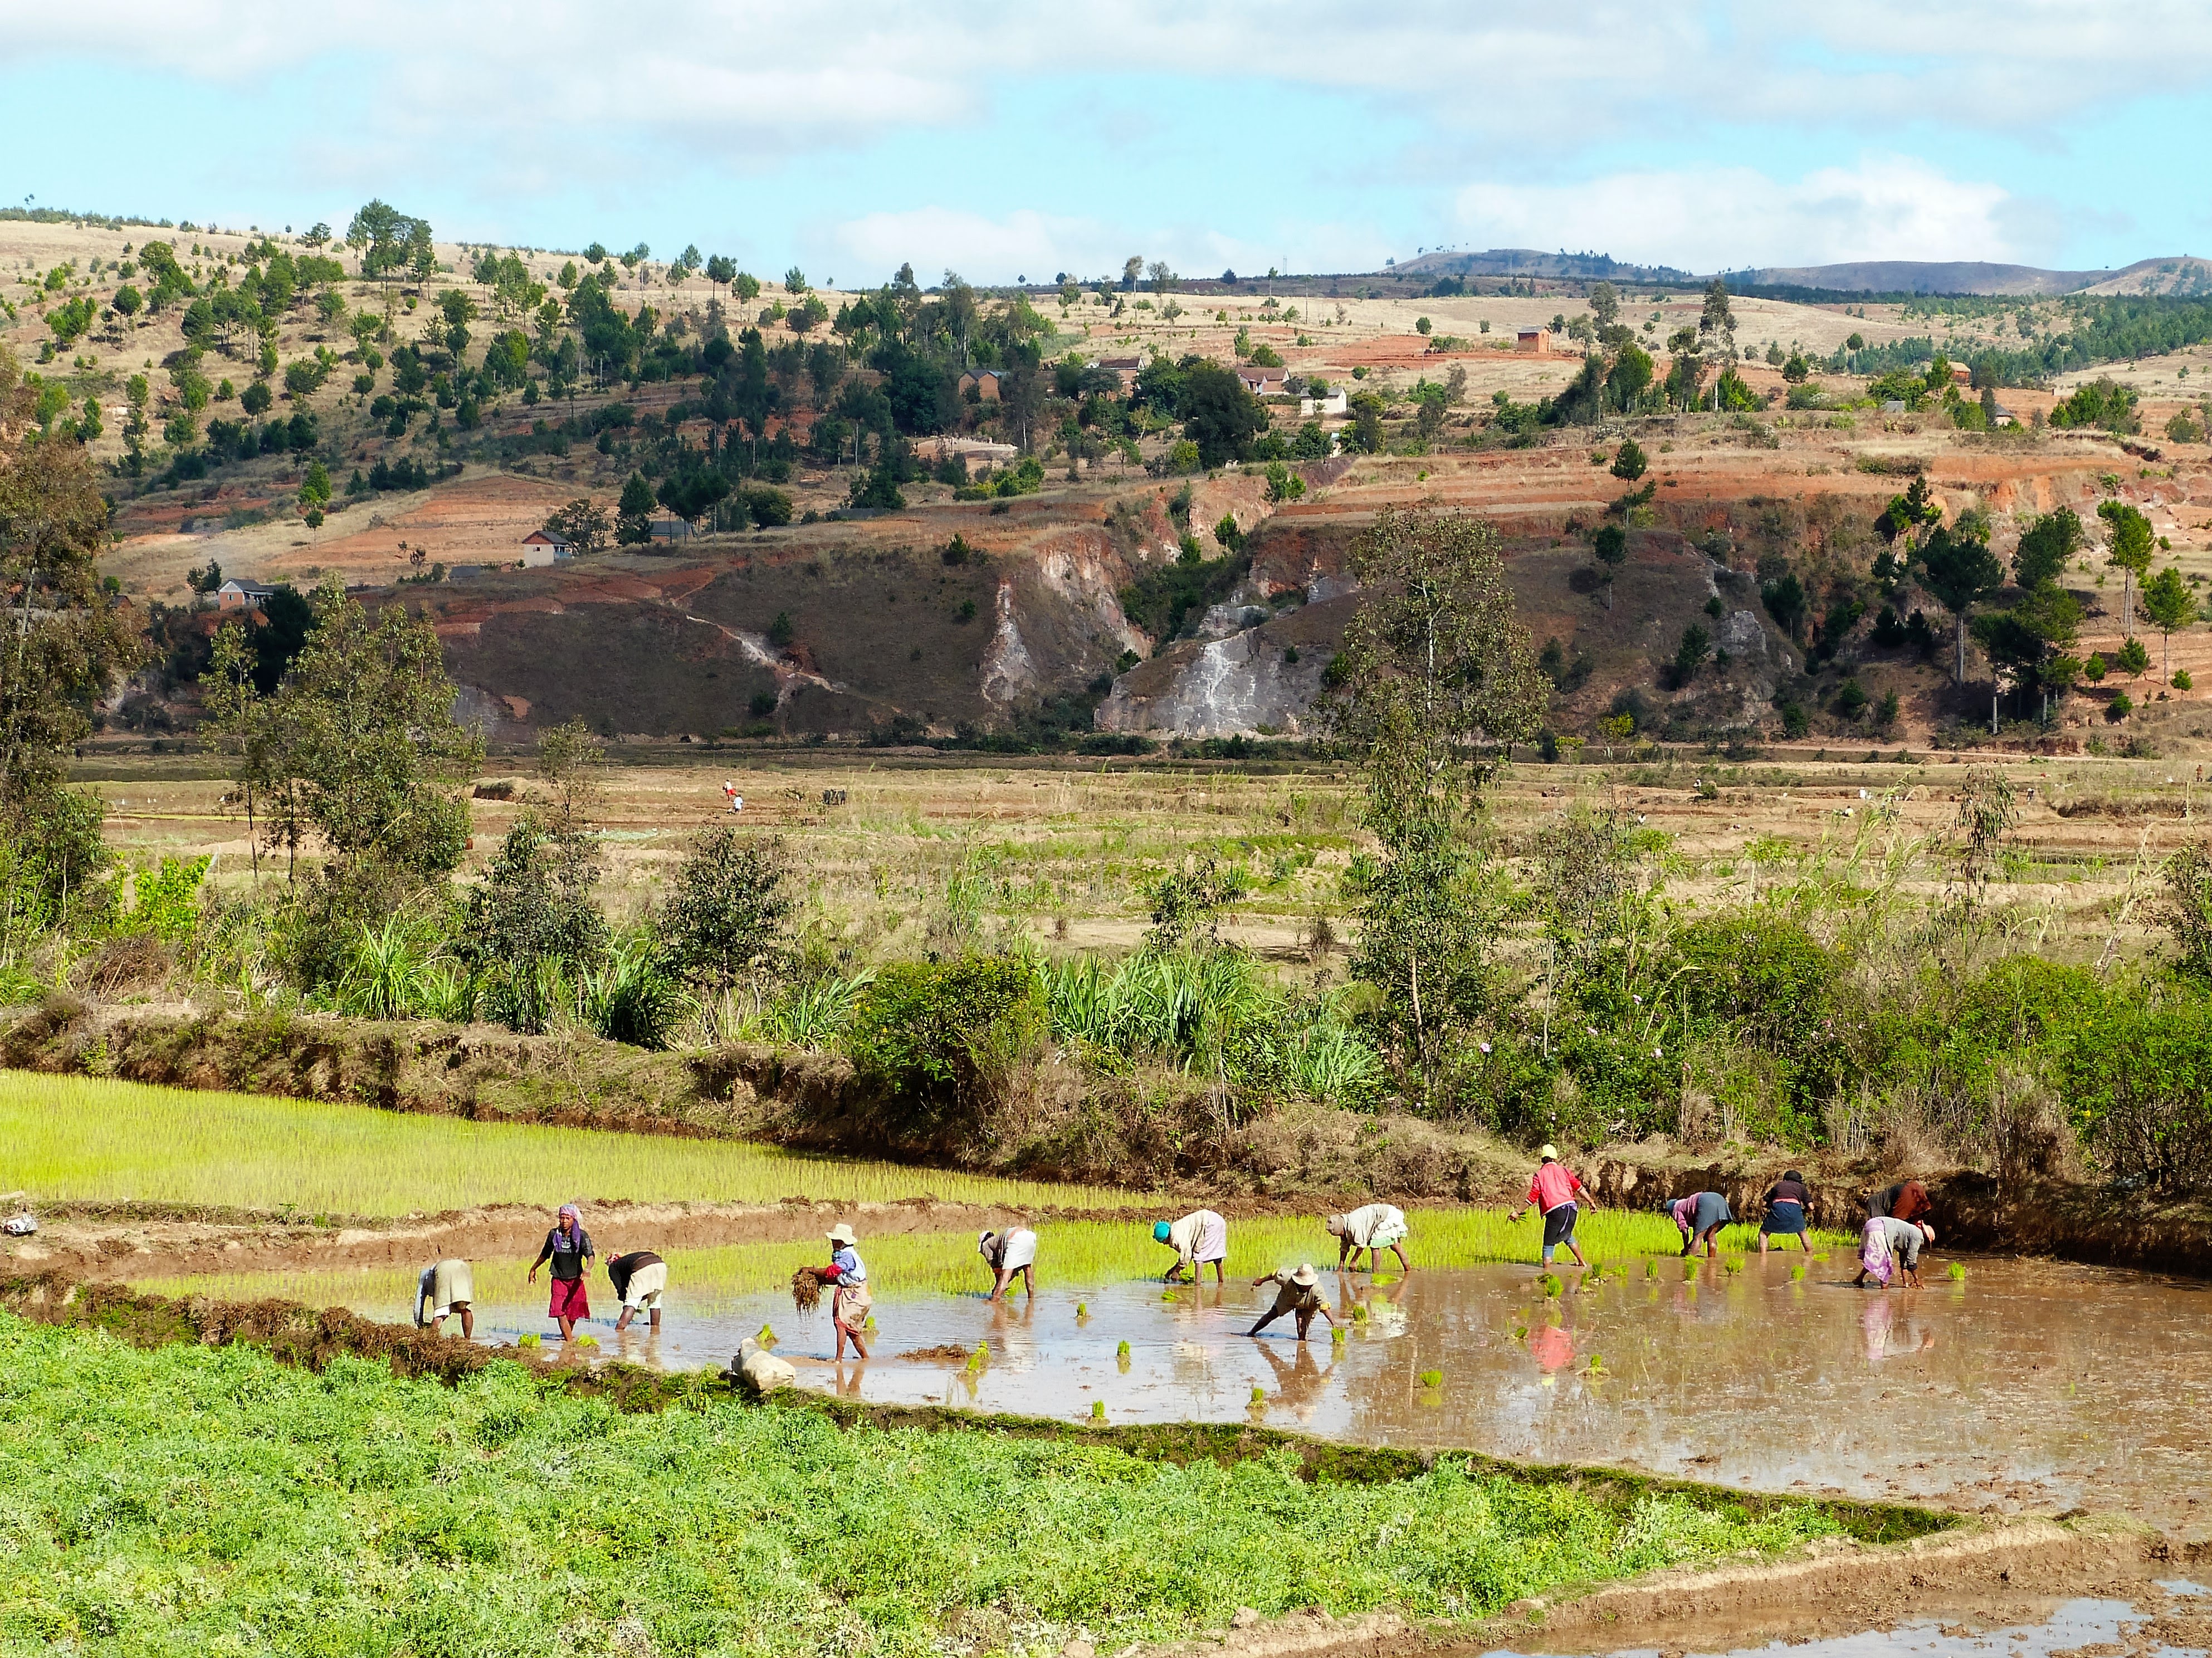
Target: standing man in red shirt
x=1553 y=1190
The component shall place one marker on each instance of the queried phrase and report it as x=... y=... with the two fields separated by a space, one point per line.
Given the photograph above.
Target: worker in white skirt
x=639 y=1277
x=446 y=1287
x=1009 y=1255
x=1376 y=1226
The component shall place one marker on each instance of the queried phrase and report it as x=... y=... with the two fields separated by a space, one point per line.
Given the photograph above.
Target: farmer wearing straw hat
x=1009 y=1255
x=1554 y=1188
x=850 y=1301
x=1296 y=1294
x=1199 y=1237
x=569 y=1247
x=1378 y=1226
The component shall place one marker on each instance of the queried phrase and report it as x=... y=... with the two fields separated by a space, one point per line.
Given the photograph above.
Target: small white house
x=237 y=594
x=1338 y=402
x=541 y=547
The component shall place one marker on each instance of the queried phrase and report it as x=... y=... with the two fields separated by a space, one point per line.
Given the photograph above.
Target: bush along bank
x=182 y=1480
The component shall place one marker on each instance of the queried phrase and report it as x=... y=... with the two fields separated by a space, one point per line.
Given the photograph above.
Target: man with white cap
x=849 y=1300
x=1296 y=1294
x=1376 y=1226
x=1553 y=1189
x=1009 y=1254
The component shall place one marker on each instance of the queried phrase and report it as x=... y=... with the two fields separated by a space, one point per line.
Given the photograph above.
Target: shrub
x=725 y=918
x=2139 y=1081
x=946 y=1036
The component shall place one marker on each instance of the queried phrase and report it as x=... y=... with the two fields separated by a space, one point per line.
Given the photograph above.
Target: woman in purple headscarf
x=569 y=1247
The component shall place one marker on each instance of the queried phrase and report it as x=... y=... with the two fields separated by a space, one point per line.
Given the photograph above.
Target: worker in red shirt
x=1553 y=1189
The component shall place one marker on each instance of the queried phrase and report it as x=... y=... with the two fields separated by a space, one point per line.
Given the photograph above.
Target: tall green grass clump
x=163 y=1501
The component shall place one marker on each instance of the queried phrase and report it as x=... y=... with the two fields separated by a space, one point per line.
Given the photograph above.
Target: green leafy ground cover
x=209 y=1499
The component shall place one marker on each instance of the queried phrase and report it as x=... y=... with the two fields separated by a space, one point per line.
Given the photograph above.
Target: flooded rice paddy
x=2025 y=1387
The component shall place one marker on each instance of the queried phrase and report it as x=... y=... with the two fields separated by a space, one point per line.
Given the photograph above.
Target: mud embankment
x=1154 y=1132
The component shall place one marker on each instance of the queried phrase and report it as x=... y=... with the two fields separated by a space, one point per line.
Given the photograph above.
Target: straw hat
x=1305 y=1277
x=842 y=1233
x=1549 y=1153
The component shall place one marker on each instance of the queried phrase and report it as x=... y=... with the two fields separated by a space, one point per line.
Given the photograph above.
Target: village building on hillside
x=1338 y=402
x=1124 y=368
x=541 y=547
x=1260 y=383
x=1531 y=341
x=239 y=594
x=982 y=383
x=974 y=454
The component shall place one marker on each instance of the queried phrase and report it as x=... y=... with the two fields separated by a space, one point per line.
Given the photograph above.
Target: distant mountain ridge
x=2172 y=274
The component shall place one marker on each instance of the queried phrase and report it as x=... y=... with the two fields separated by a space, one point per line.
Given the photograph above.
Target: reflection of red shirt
x=1553 y=1185
x=1553 y=1348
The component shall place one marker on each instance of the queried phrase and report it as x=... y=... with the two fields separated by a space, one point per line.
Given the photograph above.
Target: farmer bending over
x=638 y=1279
x=445 y=1287
x=569 y=1247
x=1295 y=1295
x=1789 y=1211
x=1199 y=1237
x=1700 y=1215
x=1378 y=1226
x=1889 y=1248
x=1009 y=1254
x=1553 y=1189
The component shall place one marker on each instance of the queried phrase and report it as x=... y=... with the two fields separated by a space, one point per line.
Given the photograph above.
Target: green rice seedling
x=1385 y=1280
x=1551 y=1283
x=869 y=1323
x=1596 y=1367
x=1098 y=1410
x=1359 y=1312
x=1690 y=1270
x=1122 y=1351
x=1259 y=1395
x=1956 y=1272
x=532 y=1341
x=1433 y=1378
x=587 y=1341
x=767 y=1336
x=84 y=1137
x=1652 y=1268
x=1082 y=1310
x=980 y=1357
x=1336 y=1335
x=1797 y=1272
x=1732 y=1263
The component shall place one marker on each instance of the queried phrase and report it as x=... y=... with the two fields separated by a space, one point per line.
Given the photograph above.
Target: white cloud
x=757 y=70
x=1887 y=206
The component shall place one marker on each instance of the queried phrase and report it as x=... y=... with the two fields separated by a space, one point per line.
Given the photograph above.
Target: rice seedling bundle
x=1433 y=1378
x=805 y=1289
x=1956 y=1272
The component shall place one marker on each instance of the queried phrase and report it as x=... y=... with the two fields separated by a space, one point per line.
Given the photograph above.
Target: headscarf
x=1161 y=1231
x=569 y=1212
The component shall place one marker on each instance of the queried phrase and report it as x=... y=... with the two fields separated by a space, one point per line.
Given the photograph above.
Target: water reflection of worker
x=1199 y=1237
x=1877 y=1321
x=1789 y=1211
x=1699 y=1217
x=1298 y=1294
x=1009 y=1255
x=1376 y=1226
x=1551 y=1346
x=1299 y=1382
x=1555 y=1188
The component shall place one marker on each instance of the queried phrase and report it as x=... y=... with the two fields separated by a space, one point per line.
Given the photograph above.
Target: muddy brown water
x=2029 y=1386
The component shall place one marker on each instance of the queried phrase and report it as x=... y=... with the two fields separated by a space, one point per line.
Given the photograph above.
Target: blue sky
x=848 y=134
